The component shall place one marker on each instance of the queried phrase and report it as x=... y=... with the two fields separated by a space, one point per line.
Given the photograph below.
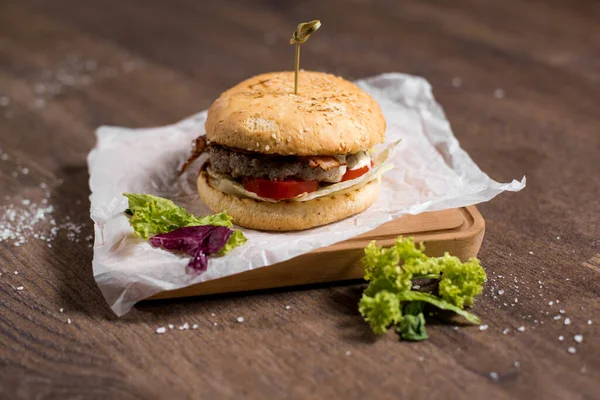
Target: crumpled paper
x=431 y=173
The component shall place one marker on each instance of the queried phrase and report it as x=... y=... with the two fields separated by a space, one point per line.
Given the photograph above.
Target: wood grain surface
x=520 y=83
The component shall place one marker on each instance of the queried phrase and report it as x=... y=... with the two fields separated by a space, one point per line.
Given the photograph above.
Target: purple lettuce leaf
x=199 y=242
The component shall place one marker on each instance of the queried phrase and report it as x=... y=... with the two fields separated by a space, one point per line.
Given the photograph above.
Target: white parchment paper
x=431 y=173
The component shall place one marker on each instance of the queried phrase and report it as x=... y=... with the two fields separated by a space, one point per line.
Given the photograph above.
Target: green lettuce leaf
x=380 y=311
x=152 y=215
x=390 y=273
x=412 y=324
x=461 y=283
x=236 y=239
x=439 y=303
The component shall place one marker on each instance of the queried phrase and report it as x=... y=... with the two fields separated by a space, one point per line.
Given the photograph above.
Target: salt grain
x=517 y=364
x=578 y=338
x=61 y=310
x=521 y=329
x=505 y=331
x=348 y=353
x=19 y=288
x=572 y=350
x=483 y=327
x=567 y=321
x=589 y=321
x=531 y=252
x=287 y=307
x=500 y=292
x=550 y=303
x=561 y=338
x=171 y=326
x=240 y=319
x=69 y=320
x=162 y=329
x=16 y=272
x=494 y=376
x=561 y=311
x=499 y=93
x=456 y=82
x=214 y=324
x=195 y=326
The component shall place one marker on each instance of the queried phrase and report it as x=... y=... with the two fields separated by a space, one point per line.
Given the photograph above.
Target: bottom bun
x=287 y=215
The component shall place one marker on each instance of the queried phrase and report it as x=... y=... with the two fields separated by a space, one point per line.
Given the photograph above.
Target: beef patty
x=247 y=164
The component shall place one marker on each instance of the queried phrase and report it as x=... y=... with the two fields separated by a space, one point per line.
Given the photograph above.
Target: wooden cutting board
x=458 y=231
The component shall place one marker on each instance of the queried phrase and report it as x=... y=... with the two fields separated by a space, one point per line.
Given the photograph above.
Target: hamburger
x=280 y=161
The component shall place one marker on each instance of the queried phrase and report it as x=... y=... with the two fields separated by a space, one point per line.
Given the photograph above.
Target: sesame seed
x=561 y=338
x=517 y=364
x=567 y=321
x=505 y=331
x=531 y=252
x=578 y=338
x=240 y=319
x=561 y=311
x=287 y=307
x=171 y=326
x=212 y=314
x=19 y=288
x=572 y=350
x=274 y=136
x=589 y=321
x=257 y=144
x=556 y=317
x=494 y=376
x=195 y=326
x=69 y=320
x=214 y=324
x=162 y=329
x=61 y=310
x=521 y=328
x=550 y=303
x=483 y=327
x=16 y=272
x=267 y=147
x=348 y=352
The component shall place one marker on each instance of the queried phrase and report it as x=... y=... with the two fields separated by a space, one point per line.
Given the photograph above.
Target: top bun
x=328 y=116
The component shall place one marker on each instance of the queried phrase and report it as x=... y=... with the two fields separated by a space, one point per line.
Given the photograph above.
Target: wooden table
x=520 y=82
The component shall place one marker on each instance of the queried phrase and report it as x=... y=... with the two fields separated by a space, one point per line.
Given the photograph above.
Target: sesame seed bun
x=328 y=116
x=287 y=215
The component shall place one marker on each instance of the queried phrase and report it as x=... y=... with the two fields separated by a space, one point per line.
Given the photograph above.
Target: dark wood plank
x=67 y=67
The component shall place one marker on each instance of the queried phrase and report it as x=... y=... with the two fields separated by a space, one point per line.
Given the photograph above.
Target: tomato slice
x=355 y=173
x=278 y=190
